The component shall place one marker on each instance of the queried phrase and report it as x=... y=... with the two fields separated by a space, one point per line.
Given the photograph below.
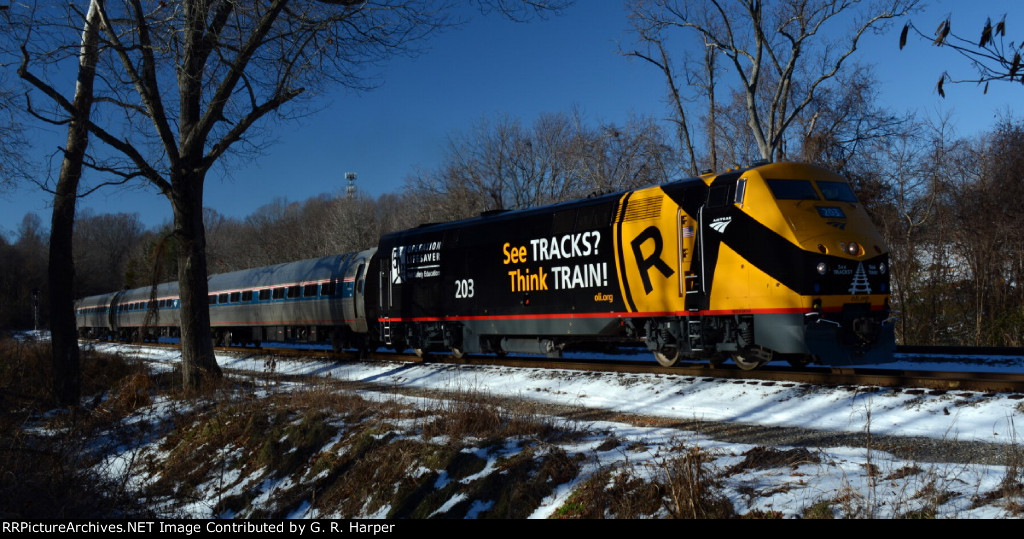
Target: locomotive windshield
x=804 y=190
x=793 y=190
x=838 y=191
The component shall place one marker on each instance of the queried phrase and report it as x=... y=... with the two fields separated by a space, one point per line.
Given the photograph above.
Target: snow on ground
x=961 y=415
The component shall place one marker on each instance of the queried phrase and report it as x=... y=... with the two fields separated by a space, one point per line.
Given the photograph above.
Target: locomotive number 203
x=463 y=288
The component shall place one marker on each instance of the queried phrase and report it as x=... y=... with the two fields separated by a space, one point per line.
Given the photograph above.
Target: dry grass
x=470 y=414
x=347 y=456
x=613 y=493
x=761 y=458
x=693 y=488
x=47 y=467
x=685 y=485
x=1011 y=489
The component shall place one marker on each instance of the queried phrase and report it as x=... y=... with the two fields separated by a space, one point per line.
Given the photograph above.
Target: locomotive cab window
x=837 y=191
x=793 y=190
x=718 y=195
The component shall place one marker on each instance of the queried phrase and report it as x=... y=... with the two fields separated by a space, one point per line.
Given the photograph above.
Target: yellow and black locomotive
x=774 y=261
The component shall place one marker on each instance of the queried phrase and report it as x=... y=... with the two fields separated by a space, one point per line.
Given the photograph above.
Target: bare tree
x=103 y=245
x=781 y=53
x=12 y=161
x=504 y=165
x=13 y=165
x=990 y=55
x=61 y=268
x=650 y=33
x=22 y=271
x=634 y=154
x=847 y=130
x=985 y=236
x=192 y=80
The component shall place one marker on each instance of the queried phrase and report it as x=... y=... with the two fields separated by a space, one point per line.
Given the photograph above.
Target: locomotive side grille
x=642 y=208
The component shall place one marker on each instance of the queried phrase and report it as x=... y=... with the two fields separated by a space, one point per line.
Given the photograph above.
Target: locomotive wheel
x=667 y=356
x=744 y=361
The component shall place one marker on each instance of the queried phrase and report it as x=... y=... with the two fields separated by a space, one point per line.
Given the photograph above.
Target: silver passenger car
x=314 y=300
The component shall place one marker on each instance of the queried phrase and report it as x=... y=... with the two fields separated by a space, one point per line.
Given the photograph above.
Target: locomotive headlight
x=822 y=268
x=852 y=248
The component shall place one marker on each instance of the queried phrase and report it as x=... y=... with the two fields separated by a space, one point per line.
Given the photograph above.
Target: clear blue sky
x=492 y=67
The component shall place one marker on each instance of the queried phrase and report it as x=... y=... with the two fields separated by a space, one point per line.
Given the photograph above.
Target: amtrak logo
x=720 y=223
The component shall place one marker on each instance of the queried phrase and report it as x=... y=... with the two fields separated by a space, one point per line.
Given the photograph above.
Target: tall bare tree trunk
x=197 y=358
x=61 y=272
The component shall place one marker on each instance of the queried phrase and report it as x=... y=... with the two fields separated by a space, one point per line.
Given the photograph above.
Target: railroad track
x=911 y=381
